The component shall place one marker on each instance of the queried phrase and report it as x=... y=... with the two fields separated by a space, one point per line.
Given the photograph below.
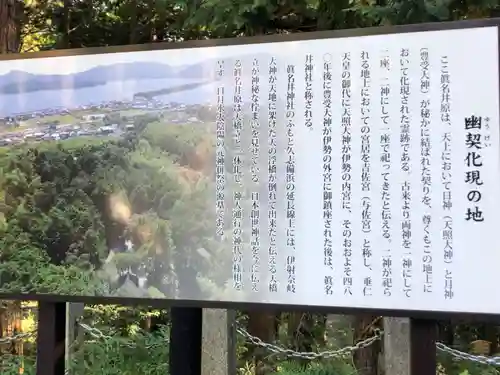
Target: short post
x=423 y=336
x=396 y=346
x=73 y=312
x=185 y=341
x=218 y=347
x=50 y=343
x=232 y=341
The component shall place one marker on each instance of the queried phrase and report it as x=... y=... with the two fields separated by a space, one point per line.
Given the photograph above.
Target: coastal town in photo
x=96 y=120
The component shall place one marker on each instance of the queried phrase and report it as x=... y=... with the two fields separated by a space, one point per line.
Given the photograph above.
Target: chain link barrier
x=97 y=335
x=11 y=339
x=462 y=356
x=339 y=353
x=348 y=350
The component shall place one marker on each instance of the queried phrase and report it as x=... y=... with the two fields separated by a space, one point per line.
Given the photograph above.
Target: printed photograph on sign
x=355 y=172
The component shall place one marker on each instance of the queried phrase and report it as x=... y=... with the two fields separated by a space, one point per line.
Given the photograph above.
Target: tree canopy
x=47 y=24
x=64 y=204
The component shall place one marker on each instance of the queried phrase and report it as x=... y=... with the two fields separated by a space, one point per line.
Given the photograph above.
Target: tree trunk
x=300 y=333
x=262 y=325
x=10 y=325
x=366 y=360
x=134 y=22
x=10 y=26
x=66 y=20
x=10 y=42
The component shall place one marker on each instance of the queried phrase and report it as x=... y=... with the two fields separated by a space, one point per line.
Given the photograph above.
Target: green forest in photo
x=65 y=205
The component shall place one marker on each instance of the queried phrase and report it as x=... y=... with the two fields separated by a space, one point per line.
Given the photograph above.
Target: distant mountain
x=18 y=82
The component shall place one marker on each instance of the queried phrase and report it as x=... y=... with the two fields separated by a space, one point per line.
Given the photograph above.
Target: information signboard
x=350 y=172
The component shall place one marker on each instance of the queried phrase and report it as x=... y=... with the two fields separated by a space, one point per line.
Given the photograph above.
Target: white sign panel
x=358 y=172
x=382 y=177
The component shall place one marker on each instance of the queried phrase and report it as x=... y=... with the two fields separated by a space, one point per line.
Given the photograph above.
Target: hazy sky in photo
x=188 y=56
x=72 y=64
x=173 y=57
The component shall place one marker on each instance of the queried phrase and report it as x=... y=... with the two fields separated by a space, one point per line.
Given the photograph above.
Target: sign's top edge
x=261 y=39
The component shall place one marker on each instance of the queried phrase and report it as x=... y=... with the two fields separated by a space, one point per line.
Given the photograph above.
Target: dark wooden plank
x=423 y=336
x=185 y=341
x=50 y=339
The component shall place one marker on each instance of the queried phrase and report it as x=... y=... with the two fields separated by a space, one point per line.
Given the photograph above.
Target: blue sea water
x=124 y=90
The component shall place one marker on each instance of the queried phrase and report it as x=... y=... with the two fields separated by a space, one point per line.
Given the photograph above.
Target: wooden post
x=218 y=345
x=185 y=341
x=396 y=346
x=423 y=334
x=50 y=345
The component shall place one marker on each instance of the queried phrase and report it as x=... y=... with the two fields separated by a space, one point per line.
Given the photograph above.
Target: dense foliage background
x=65 y=205
x=50 y=195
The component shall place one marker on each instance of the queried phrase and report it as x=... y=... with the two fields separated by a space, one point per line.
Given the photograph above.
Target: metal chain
x=340 y=353
x=290 y=353
x=20 y=336
x=94 y=332
x=457 y=354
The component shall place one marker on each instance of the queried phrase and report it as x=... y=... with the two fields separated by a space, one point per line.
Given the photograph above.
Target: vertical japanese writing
x=220 y=161
x=290 y=178
x=346 y=190
x=255 y=150
x=255 y=121
x=308 y=93
x=425 y=163
x=366 y=209
x=474 y=162
x=272 y=181
x=385 y=158
x=237 y=176
x=447 y=235
x=487 y=135
x=405 y=139
x=327 y=172
x=446 y=177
